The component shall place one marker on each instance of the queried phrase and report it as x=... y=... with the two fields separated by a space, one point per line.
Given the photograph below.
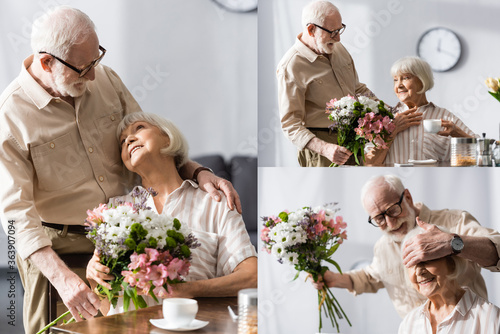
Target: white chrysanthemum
x=278 y=250
x=369 y=103
x=292 y=258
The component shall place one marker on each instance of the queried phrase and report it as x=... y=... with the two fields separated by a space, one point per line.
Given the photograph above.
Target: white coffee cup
x=432 y=125
x=179 y=312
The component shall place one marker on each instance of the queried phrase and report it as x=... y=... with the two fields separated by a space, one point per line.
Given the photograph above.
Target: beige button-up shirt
x=56 y=161
x=387 y=269
x=306 y=82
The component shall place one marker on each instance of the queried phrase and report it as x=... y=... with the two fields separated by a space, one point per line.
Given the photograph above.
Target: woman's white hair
x=459 y=263
x=317 y=11
x=178 y=146
x=391 y=182
x=58 y=30
x=417 y=67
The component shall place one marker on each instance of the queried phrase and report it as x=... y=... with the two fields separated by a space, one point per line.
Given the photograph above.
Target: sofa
x=242 y=172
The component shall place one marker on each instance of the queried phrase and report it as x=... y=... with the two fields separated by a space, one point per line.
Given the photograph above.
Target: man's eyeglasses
x=85 y=70
x=393 y=211
x=333 y=33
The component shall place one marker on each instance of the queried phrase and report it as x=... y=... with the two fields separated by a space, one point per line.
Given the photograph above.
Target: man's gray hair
x=317 y=11
x=178 y=147
x=392 y=182
x=417 y=67
x=59 y=29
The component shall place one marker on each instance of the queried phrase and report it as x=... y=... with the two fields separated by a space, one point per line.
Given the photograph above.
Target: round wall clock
x=441 y=48
x=240 y=6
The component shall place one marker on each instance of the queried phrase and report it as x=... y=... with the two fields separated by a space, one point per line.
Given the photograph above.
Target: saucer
x=422 y=162
x=163 y=324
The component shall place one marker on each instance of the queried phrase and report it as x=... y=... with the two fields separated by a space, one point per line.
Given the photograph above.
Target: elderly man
x=59 y=157
x=390 y=207
x=316 y=69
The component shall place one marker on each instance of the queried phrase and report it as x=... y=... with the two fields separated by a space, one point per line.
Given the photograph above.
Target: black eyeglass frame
x=333 y=33
x=84 y=71
x=384 y=214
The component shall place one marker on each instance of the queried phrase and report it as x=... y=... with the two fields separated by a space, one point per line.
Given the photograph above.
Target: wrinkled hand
x=78 y=297
x=429 y=245
x=211 y=183
x=336 y=154
x=406 y=119
x=97 y=273
x=449 y=128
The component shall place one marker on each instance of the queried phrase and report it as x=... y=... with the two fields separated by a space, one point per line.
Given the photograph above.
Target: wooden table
x=213 y=310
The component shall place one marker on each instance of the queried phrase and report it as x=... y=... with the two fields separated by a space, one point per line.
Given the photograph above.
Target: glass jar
x=247 y=311
x=496 y=154
x=463 y=152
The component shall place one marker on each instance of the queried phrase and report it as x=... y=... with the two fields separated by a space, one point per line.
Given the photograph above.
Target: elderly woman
x=412 y=79
x=226 y=262
x=450 y=308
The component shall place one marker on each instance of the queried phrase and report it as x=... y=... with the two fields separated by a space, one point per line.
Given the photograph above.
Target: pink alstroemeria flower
x=95 y=216
x=264 y=234
x=177 y=268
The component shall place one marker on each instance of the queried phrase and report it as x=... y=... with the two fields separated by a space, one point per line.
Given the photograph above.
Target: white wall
x=378 y=33
x=189 y=61
x=287 y=306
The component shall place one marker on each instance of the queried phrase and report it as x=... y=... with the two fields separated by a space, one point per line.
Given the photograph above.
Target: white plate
x=163 y=324
x=422 y=162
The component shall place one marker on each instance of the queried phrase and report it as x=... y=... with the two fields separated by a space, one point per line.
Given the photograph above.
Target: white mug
x=179 y=312
x=432 y=125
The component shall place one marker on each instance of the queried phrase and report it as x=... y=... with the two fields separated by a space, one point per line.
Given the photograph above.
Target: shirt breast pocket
x=204 y=263
x=57 y=163
x=106 y=135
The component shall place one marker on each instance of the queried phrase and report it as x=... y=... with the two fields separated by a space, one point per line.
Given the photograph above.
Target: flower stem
x=54 y=322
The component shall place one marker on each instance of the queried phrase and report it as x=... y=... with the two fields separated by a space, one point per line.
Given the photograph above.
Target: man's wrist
x=200 y=169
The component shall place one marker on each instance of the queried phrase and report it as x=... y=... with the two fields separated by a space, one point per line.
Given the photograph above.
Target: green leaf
x=495 y=95
x=335 y=264
x=141 y=302
x=126 y=302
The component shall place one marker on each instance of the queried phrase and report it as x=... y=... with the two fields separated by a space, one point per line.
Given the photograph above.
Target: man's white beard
x=323 y=46
x=66 y=89
x=410 y=220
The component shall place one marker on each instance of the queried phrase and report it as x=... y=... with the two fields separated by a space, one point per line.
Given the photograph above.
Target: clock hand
x=439 y=45
x=449 y=53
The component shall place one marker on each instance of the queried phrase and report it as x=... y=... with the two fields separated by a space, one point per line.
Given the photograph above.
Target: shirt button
x=112 y=117
x=320 y=81
x=303 y=123
x=52 y=145
x=91 y=149
x=101 y=178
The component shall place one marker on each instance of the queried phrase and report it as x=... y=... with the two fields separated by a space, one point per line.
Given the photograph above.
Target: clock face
x=441 y=48
x=238 y=5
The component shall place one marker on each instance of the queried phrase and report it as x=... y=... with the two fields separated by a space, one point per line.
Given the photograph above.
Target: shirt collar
x=400 y=106
x=304 y=50
x=40 y=97
x=463 y=305
x=186 y=184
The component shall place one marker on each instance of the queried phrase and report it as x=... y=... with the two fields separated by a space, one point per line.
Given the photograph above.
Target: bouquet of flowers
x=145 y=251
x=359 y=120
x=304 y=238
x=493 y=86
